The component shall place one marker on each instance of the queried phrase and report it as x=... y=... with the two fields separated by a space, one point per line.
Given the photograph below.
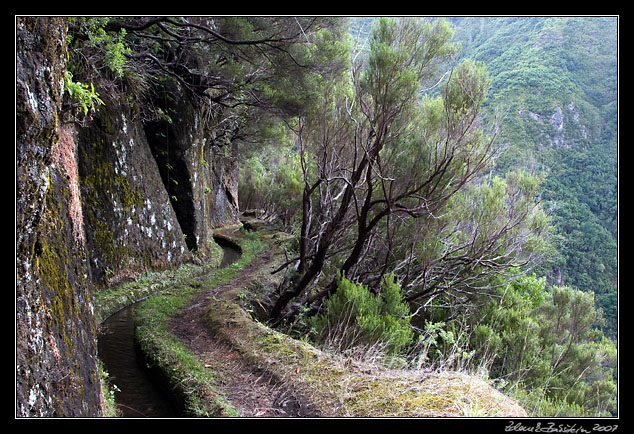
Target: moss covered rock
x=93 y=209
x=56 y=367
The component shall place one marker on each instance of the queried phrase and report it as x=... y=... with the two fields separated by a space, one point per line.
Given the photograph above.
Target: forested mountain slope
x=554 y=79
x=554 y=82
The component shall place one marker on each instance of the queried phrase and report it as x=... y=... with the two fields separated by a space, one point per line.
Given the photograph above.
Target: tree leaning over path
x=242 y=70
x=380 y=158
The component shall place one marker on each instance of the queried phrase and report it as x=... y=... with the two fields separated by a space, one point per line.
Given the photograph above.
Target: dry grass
x=315 y=382
x=340 y=386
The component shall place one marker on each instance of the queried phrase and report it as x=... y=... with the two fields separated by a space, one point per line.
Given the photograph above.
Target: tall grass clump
x=441 y=347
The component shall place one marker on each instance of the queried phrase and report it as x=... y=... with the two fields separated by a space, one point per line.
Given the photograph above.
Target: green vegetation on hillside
x=543 y=199
x=436 y=164
x=556 y=81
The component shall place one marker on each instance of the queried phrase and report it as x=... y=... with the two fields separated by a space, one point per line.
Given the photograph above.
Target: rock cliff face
x=95 y=204
x=56 y=372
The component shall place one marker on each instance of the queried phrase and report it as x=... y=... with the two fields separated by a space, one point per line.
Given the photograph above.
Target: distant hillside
x=554 y=80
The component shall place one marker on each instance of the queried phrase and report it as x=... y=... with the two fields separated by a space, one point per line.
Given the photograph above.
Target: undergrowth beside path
x=335 y=386
x=220 y=362
x=193 y=384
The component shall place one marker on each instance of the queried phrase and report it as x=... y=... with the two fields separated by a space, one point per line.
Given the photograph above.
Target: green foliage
x=541 y=67
x=443 y=347
x=295 y=91
x=544 y=347
x=111 y=48
x=272 y=181
x=505 y=211
x=473 y=76
x=403 y=54
x=584 y=197
x=507 y=332
x=579 y=360
x=81 y=94
x=108 y=390
x=354 y=316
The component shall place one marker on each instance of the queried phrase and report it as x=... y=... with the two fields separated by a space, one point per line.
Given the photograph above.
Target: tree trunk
x=324 y=243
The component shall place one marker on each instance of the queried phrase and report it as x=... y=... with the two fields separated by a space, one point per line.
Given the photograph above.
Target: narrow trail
x=257 y=372
x=250 y=390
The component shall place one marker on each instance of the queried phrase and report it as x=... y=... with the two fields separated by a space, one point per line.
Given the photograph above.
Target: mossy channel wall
x=93 y=208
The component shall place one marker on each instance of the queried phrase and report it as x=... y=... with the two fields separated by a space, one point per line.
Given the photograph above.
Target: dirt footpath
x=253 y=392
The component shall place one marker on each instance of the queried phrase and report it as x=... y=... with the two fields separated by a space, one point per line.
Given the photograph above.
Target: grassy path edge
x=185 y=376
x=331 y=385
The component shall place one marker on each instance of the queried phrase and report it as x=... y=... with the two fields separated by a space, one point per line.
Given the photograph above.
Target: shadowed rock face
x=130 y=223
x=201 y=182
x=94 y=206
x=56 y=371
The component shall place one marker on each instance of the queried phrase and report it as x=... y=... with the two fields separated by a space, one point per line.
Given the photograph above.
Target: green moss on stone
x=102 y=184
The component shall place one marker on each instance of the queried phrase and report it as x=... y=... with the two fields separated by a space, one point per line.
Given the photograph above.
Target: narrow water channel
x=138 y=395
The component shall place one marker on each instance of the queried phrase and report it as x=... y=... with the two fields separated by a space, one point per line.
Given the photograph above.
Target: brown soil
x=254 y=392
x=250 y=390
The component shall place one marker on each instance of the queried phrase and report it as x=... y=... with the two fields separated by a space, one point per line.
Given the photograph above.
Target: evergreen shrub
x=355 y=317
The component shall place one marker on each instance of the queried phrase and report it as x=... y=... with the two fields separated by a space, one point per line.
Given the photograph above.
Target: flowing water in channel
x=138 y=393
